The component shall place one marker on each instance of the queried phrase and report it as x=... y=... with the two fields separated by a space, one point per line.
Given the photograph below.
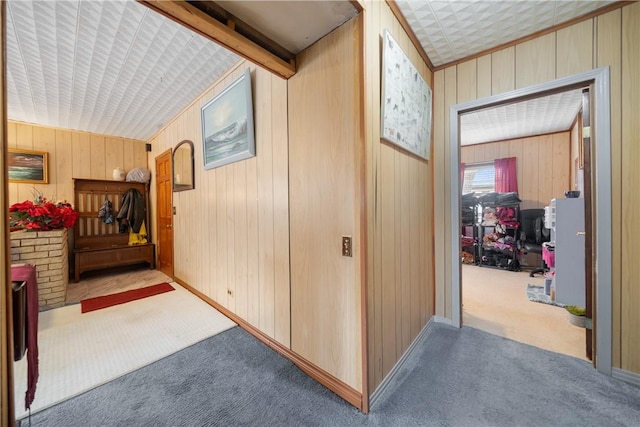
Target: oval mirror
x=182 y=165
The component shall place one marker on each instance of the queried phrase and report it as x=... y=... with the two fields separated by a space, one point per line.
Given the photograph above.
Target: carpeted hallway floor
x=455 y=377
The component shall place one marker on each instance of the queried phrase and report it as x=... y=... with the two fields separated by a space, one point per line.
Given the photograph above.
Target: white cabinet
x=568 y=235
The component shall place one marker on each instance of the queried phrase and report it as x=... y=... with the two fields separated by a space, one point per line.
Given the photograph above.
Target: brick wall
x=47 y=251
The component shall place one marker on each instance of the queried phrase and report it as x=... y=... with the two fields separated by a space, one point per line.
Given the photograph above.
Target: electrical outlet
x=346 y=246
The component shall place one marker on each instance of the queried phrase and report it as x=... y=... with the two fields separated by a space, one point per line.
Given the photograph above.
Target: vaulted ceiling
x=119 y=68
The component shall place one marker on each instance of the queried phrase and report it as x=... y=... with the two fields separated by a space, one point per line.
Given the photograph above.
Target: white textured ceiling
x=115 y=67
x=553 y=113
x=118 y=68
x=452 y=30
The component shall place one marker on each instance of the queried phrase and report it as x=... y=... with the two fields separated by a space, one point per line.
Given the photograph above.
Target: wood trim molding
x=7 y=409
x=412 y=36
x=227 y=35
x=326 y=379
x=576 y=20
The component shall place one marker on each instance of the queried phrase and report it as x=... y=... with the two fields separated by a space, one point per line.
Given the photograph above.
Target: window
x=479 y=178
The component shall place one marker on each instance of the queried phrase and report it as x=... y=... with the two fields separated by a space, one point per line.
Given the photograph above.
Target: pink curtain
x=461 y=176
x=506 y=175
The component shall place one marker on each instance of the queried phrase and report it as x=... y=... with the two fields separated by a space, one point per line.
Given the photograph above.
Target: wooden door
x=165 y=213
x=588 y=236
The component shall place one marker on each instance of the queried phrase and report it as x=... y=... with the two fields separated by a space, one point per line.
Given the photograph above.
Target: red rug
x=92 y=304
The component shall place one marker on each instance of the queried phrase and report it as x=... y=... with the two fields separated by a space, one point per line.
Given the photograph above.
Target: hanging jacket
x=106 y=212
x=132 y=211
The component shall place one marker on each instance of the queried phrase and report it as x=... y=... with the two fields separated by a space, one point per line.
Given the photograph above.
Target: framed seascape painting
x=227 y=125
x=28 y=166
x=406 y=101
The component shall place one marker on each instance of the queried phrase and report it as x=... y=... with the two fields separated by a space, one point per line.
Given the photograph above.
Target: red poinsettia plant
x=41 y=215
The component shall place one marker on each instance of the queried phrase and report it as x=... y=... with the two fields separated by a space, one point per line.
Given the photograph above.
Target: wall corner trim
x=624 y=375
x=343 y=390
x=443 y=320
x=389 y=379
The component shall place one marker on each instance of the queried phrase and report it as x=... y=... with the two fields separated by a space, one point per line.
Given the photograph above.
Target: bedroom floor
x=495 y=301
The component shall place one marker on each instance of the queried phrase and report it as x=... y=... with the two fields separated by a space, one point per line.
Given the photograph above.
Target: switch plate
x=346 y=246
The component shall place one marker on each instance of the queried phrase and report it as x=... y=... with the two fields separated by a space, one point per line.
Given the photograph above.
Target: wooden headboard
x=90 y=232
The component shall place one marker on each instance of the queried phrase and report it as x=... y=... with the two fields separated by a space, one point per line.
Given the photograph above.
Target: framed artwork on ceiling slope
x=406 y=101
x=227 y=124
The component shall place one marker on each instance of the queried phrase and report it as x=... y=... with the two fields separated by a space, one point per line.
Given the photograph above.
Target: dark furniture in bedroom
x=99 y=245
x=533 y=234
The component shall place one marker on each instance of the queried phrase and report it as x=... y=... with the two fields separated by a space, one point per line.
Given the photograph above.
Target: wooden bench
x=98 y=245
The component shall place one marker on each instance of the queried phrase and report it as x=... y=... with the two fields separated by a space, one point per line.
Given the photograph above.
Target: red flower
x=42 y=215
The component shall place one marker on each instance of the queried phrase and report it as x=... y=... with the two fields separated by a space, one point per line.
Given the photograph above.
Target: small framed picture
x=28 y=166
x=227 y=125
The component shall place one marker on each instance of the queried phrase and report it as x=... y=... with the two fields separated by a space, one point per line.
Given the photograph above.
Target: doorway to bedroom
x=510 y=170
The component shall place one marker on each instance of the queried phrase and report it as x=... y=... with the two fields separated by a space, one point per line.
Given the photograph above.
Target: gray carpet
x=456 y=377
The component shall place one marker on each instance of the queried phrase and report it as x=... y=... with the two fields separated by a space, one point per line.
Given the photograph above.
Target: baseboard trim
x=627 y=376
x=444 y=320
x=343 y=390
x=379 y=391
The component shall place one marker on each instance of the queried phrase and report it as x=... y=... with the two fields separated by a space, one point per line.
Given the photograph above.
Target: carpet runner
x=97 y=303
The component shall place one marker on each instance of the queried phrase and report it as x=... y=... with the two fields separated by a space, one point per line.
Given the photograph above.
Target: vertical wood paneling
x=484 y=76
x=630 y=290
x=609 y=48
x=542 y=164
x=72 y=154
x=389 y=294
x=545 y=168
x=575 y=49
x=503 y=70
x=265 y=204
x=241 y=209
x=562 y=161
x=440 y=146
x=450 y=98
x=324 y=131
x=614 y=42
x=98 y=158
x=280 y=156
x=467 y=73
x=81 y=146
x=375 y=309
x=399 y=205
x=64 y=166
x=536 y=61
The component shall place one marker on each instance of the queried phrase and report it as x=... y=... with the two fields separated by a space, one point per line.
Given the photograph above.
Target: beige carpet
x=495 y=301
x=81 y=351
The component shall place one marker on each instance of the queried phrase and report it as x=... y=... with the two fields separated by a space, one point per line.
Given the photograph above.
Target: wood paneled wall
x=231 y=233
x=542 y=162
x=400 y=198
x=612 y=40
x=325 y=165
x=72 y=154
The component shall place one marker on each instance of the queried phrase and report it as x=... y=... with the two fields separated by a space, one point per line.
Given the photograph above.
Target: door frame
x=601 y=178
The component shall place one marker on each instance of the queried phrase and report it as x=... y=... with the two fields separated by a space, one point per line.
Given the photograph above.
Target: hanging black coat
x=132 y=211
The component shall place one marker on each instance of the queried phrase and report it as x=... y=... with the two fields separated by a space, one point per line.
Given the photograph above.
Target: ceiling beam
x=261 y=50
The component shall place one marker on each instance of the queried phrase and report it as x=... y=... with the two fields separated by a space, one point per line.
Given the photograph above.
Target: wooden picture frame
x=407 y=101
x=227 y=125
x=28 y=166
